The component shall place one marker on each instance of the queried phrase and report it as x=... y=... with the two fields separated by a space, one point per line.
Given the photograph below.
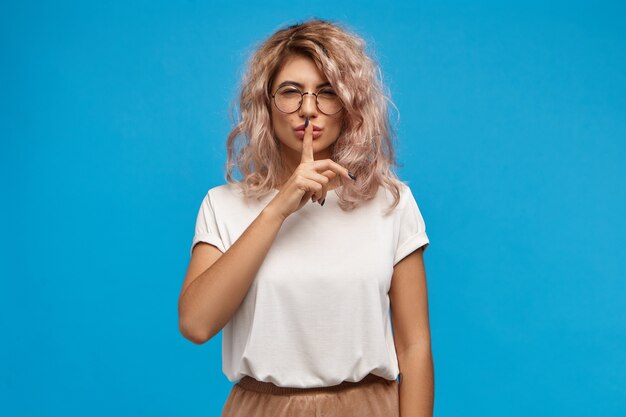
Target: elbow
x=193 y=333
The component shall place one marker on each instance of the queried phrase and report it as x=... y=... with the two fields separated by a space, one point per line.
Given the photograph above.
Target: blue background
x=511 y=134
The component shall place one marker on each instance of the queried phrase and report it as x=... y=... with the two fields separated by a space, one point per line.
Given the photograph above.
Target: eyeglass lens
x=289 y=99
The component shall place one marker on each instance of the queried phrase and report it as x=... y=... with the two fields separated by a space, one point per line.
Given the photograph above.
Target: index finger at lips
x=307 y=142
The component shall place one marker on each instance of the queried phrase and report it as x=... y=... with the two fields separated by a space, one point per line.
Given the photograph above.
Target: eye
x=289 y=91
x=327 y=93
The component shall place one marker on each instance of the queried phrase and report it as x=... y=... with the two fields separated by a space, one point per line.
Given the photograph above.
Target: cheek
x=278 y=119
x=337 y=127
x=281 y=125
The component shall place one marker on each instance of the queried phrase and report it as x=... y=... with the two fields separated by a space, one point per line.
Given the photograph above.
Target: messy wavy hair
x=365 y=145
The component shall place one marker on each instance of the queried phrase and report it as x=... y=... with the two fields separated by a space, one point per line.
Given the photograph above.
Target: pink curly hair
x=365 y=143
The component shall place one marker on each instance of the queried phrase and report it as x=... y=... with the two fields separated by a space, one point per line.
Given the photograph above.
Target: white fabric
x=317 y=312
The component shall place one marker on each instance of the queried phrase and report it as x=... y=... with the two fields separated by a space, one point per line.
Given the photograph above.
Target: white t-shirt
x=317 y=312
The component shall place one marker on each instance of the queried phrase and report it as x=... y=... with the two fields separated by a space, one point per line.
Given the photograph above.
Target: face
x=302 y=70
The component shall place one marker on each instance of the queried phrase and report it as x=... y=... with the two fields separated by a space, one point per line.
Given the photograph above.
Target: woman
x=303 y=291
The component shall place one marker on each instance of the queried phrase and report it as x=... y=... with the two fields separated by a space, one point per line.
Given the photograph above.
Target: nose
x=309 y=105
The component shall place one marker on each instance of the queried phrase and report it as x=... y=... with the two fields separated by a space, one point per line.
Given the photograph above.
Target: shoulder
x=232 y=198
x=224 y=191
x=404 y=194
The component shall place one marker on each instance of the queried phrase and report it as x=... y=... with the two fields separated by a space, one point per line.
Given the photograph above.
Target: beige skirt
x=373 y=396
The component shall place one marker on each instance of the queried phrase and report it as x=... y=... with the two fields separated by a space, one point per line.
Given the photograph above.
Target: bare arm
x=411 y=329
x=216 y=283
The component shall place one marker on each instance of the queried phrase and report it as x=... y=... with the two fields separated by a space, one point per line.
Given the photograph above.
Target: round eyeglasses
x=288 y=99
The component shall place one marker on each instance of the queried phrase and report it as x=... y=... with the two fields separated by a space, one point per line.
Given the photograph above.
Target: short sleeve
x=411 y=229
x=206 y=226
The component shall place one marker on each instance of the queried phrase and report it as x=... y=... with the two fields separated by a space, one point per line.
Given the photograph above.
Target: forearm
x=417 y=384
x=211 y=299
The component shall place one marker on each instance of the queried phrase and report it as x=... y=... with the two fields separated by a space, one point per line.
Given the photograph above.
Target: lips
x=301 y=127
x=300 y=134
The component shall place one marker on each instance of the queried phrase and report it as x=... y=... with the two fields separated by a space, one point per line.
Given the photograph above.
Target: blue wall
x=511 y=134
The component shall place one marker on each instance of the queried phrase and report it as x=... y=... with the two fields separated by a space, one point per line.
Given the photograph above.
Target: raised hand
x=309 y=180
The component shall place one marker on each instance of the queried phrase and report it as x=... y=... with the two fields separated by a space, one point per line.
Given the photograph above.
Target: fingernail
x=306 y=122
x=352 y=176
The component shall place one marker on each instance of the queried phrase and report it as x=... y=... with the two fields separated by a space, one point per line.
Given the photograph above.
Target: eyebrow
x=300 y=85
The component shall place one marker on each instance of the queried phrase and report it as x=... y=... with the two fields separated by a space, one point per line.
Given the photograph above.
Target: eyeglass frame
x=302 y=94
